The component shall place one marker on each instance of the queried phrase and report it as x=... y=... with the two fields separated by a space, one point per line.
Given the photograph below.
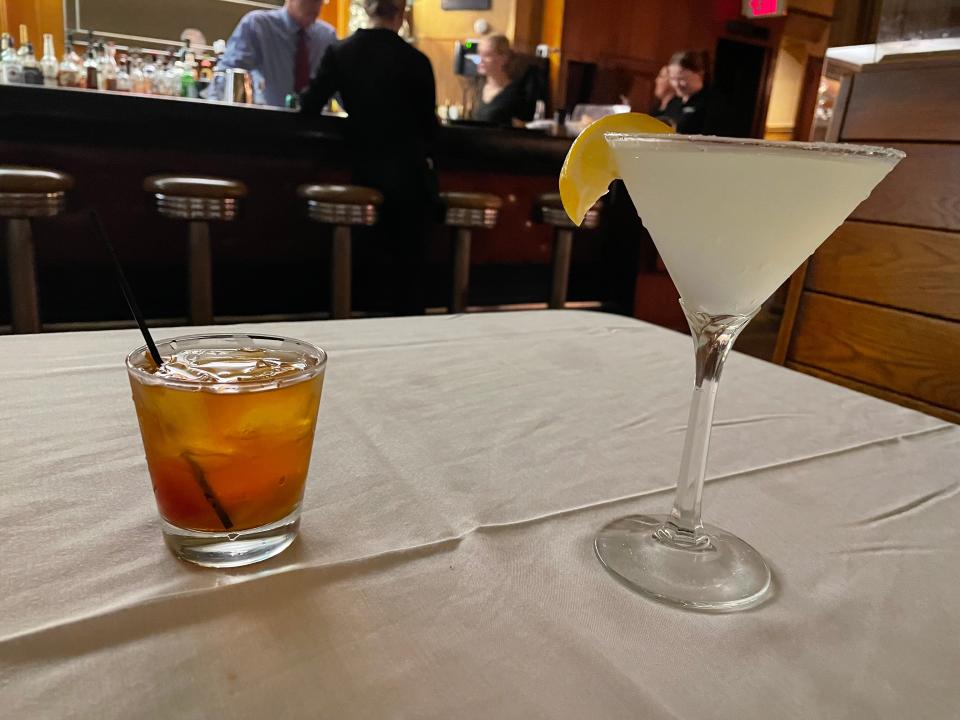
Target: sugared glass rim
x=149 y=378
x=836 y=149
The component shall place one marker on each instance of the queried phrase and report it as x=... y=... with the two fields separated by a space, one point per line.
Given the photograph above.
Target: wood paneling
x=632 y=38
x=881 y=393
x=40 y=16
x=790 y=308
x=900 y=267
x=332 y=12
x=853 y=311
x=923 y=190
x=921 y=103
x=551 y=31
x=818 y=7
x=907 y=354
x=807 y=106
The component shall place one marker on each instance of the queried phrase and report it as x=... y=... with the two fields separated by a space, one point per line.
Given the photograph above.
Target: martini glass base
x=722 y=573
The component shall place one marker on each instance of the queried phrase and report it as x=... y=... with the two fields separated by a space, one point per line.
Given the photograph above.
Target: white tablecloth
x=445 y=566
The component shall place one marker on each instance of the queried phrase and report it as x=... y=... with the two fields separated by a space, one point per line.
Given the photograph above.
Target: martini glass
x=732 y=219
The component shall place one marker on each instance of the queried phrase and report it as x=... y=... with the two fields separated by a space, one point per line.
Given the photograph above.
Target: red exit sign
x=764 y=8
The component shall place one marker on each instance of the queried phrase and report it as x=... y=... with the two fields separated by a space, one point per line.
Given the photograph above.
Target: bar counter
x=272 y=259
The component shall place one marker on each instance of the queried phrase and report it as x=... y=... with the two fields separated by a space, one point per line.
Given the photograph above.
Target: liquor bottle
x=183 y=51
x=138 y=83
x=72 y=54
x=11 y=71
x=150 y=75
x=48 y=64
x=70 y=74
x=91 y=79
x=32 y=74
x=172 y=76
x=188 y=78
x=124 y=81
x=107 y=67
x=205 y=73
x=161 y=82
x=24 y=39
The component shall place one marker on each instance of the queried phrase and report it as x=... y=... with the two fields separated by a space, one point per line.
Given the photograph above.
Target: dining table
x=445 y=567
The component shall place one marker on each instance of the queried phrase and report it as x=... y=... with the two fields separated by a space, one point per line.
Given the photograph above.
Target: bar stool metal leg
x=461 y=270
x=562 y=250
x=22 y=271
x=464 y=211
x=200 y=269
x=341 y=271
x=198 y=200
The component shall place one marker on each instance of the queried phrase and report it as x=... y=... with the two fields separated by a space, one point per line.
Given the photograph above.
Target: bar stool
x=198 y=199
x=549 y=211
x=26 y=193
x=343 y=206
x=465 y=211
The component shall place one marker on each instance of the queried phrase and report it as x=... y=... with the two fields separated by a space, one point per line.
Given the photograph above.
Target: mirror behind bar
x=157 y=25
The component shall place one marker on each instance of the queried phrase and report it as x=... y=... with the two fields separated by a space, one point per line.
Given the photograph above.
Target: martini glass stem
x=713 y=337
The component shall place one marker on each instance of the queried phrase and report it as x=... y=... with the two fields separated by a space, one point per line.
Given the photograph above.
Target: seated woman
x=387 y=88
x=501 y=99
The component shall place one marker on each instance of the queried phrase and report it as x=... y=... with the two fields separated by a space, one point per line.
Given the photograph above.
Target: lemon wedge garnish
x=590 y=168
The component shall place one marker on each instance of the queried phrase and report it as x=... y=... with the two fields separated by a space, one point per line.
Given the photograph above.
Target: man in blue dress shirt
x=281 y=48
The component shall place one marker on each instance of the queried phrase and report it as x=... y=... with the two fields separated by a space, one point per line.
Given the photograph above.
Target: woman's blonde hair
x=499 y=43
x=385 y=8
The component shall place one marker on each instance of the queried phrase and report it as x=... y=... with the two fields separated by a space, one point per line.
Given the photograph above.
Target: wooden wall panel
x=919 y=103
x=908 y=354
x=923 y=190
x=950 y=415
x=628 y=41
x=40 y=16
x=853 y=314
x=899 y=267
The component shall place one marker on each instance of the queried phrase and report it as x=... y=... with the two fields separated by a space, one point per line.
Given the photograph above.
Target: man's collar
x=291 y=25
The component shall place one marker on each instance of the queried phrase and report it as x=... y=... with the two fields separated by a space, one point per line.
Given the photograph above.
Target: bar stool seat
x=548 y=209
x=465 y=211
x=198 y=199
x=26 y=193
x=343 y=207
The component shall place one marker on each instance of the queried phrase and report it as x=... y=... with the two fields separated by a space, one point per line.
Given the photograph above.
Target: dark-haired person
x=695 y=109
x=388 y=90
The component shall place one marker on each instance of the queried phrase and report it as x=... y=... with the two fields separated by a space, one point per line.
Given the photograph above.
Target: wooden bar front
x=272 y=259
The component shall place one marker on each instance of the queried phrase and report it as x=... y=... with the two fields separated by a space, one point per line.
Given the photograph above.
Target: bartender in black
x=694 y=110
x=388 y=90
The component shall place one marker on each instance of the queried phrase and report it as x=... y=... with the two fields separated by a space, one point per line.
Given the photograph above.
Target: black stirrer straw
x=127 y=292
x=198 y=474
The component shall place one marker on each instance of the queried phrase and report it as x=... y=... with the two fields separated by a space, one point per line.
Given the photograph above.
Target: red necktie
x=301 y=65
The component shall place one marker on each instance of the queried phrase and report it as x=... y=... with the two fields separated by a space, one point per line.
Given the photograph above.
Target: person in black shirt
x=695 y=110
x=501 y=99
x=387 y=88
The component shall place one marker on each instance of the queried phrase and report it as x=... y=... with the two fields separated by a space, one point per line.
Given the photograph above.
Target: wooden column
x=40 y=16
